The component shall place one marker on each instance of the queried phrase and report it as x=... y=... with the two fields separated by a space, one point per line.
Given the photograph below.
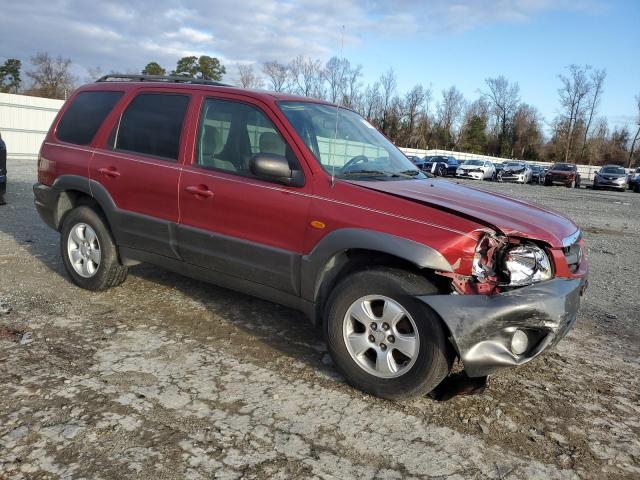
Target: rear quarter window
x=83 y=118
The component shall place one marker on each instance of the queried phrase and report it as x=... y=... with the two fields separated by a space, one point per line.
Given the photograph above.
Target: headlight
x=526 y=264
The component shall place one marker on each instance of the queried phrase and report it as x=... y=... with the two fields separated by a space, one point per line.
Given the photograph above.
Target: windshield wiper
x=410 y=173
x=370 y=173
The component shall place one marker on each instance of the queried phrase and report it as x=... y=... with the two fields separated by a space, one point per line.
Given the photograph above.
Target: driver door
x=230 y=220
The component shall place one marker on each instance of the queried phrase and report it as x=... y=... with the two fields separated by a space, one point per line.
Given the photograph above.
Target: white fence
x=24 y=122
x=587 y=172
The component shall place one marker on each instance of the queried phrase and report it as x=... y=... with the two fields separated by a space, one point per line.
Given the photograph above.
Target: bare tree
x=413 y=103
x=389 y=84
x=51 y=76
x=278 y=75
x=352 y=95
x=449 y=113
x=335 y=74
x=372 y=104
x=248 y=78
x=306 y=75
x=573 y=96
x=504 y=96
x=597 y=86
x=637 y=135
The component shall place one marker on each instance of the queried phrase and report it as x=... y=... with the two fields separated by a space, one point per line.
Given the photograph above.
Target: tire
x=636 y=188
x=91 y=271
x=415 y=375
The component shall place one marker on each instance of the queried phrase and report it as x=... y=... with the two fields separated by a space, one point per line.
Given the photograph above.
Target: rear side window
x=151 y=125
x=84 y=116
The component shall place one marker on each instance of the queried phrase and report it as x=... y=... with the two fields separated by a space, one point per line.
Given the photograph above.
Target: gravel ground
x=166 y=377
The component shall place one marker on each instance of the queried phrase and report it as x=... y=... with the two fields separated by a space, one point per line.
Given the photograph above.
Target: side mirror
x=276 y=169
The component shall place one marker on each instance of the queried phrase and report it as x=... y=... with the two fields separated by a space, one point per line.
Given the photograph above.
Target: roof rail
x=117 y=77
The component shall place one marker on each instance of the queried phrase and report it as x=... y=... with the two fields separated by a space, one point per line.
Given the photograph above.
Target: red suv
x=306 y=204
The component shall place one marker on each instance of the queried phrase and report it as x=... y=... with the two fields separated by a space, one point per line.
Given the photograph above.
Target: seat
x=209 y=145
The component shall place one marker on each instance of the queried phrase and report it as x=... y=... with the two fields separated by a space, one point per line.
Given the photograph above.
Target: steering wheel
x=354 y=161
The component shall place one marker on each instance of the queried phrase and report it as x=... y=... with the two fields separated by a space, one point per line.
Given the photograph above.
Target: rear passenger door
x=231 y=221
x=138 y=167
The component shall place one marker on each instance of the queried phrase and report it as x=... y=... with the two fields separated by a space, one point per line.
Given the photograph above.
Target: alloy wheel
x=83 y=249
x=381 y=336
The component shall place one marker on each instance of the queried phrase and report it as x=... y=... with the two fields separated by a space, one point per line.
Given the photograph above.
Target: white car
x=516 y=171
x=478 y=169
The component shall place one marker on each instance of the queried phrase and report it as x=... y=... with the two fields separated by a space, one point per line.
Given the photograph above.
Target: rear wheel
x=89 y=252
x=384 y=340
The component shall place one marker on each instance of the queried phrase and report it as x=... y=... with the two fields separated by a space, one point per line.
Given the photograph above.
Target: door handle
x=199 y=190
x=109 y=172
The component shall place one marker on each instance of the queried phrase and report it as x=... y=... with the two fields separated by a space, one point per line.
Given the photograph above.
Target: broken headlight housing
x=525 y=264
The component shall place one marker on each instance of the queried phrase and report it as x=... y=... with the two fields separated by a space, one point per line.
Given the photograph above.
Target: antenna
x=335 y=135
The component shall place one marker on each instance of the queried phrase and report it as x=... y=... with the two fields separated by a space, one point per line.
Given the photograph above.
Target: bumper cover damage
x=482 y=326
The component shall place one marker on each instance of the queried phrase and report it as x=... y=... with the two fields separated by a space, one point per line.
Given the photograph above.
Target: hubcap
x=384 y=352
x=83 y=249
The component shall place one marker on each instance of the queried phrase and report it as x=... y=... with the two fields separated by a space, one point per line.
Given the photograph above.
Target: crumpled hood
x=508 y=215
x=515 y=169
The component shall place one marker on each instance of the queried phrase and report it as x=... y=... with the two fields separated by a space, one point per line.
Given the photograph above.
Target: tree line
x=497 y=122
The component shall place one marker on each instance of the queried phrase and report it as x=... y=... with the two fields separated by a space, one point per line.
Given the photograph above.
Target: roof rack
x=117 y=77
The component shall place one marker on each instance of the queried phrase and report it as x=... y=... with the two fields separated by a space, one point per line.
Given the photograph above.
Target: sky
x=436 y=43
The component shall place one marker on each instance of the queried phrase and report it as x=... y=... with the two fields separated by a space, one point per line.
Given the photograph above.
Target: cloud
x=124 y=35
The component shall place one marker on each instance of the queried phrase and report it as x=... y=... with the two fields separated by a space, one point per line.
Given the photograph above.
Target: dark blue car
x=441 y=165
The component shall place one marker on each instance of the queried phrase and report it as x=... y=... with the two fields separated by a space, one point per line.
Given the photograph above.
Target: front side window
x=231 y=132
x=345 y=144
x=151 y=125
x=84 y=116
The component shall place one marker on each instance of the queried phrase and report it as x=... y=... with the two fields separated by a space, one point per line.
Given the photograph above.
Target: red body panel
x=437 y=213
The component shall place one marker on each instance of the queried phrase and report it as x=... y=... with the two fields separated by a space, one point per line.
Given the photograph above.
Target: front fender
x=314 y=265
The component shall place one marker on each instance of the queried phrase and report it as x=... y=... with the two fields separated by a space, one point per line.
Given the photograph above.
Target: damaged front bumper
x=482 y=327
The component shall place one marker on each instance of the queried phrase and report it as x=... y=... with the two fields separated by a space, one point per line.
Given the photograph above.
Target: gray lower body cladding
x=482 y=326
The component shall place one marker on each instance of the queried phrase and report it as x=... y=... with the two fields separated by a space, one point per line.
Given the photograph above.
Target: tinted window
x=232 y=132
x=84 y=116
x=151 y=125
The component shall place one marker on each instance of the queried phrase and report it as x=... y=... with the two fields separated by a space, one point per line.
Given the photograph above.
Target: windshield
x=475 y=163
x=346 y=144
x=613 y=170
x=435 y=158
x=563 y=167
x=514 y=164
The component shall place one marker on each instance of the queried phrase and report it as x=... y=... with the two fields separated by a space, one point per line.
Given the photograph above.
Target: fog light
x=519 y=342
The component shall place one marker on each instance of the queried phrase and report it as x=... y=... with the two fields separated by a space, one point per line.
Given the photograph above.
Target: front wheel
x=89 y=252
x=384 y=340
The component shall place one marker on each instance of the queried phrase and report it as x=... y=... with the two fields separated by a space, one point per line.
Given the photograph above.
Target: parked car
x=478 y=169
x=537 y=174
x=633 y=178
x=441 y=165
x=610 y=176
x=499 y=166
x=563 y=174
x=417 y=161
x=241 y=188
x=515 y=171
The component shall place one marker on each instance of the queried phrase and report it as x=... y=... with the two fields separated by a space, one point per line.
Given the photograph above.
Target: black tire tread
x=440 y=356
x=114 y=272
